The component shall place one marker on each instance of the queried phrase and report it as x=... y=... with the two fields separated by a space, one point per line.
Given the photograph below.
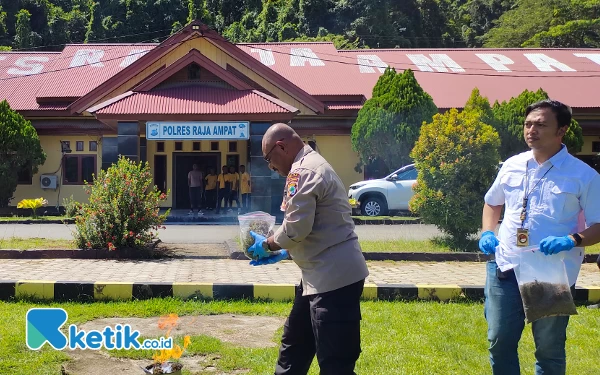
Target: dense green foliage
x=19 y=149
x=509 y=120
x=388 y=124
x=49 y=24
x=456 y=156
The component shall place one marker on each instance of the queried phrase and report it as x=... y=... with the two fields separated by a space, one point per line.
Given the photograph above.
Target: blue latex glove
x=552 y=245
x=488 y=242
x=257 y=250
x=282 y=255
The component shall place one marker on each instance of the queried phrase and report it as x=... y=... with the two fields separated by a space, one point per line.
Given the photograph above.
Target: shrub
x=123 y=209
x=456 y=157
x=72 y=207
x=33 y=204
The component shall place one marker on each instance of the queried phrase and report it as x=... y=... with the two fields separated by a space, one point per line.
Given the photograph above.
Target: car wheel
x=373 y=207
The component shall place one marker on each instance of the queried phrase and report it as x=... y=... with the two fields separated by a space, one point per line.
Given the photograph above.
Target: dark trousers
x=246 y=202
x=326 y=324
x=195 y=197
x=223 y=194
x=233 y=196
x=211 y=198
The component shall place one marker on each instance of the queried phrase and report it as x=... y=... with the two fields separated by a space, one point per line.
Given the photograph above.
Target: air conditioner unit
x=48 y=181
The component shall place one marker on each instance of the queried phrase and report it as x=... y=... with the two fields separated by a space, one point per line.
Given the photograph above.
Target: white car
x=380 y=196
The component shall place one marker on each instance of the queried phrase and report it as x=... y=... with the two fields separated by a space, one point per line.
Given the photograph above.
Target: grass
x=438 y=245
x=16 y=243
x=412 y=338
x=39 y=218
x=393 y=218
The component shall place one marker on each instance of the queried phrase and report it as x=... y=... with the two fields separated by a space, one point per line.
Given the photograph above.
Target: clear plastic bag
x=544 y=285
x=258 y=222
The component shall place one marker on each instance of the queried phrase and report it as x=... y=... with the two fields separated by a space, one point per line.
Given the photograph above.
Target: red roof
x=448 y=75
x=194 y=100
x=81 y=67
x=500 y=74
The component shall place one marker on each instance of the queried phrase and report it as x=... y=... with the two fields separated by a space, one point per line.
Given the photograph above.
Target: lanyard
x=526 y=194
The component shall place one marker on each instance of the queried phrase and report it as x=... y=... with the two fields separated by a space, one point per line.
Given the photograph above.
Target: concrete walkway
x=219 y=233
x=235 y=271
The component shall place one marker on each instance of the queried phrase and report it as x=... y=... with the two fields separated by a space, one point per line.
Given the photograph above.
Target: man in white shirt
x=549 y=198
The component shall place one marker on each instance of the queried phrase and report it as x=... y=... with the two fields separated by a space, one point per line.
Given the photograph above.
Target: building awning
x=192 y=101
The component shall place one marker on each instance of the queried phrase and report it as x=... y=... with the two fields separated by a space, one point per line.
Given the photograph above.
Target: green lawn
x=419 y=338
x=39 y=218
x=15 y=243
x=394 y=246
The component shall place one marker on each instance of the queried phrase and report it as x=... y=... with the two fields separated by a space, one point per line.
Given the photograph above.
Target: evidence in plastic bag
x=544 y=285
x=258 y=222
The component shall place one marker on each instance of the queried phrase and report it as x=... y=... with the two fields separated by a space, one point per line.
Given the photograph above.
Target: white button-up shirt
x=564 y=197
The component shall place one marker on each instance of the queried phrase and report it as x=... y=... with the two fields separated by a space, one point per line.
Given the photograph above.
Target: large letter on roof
x=595 y=57
x=265 y=55
x=132 y=57
x=545 y=63
x=25 y=62
x=439 y=61
x=300 y=56
x=496 y=61
x=87 y=57
x=366 y=62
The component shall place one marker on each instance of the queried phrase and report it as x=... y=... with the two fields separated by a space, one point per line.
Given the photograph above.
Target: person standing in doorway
x=223 y=185
x=196 y=184
x=234 y=178
x=245 y=188
x=551 y=200
x=211 y=189
x=318 y=232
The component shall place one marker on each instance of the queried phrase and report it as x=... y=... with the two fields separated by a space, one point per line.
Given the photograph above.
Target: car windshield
x=402 y=170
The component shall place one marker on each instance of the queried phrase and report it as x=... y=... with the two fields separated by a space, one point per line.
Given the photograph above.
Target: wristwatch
x=576 y=236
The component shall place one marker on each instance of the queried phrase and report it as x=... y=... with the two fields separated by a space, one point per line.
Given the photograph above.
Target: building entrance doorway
x=182 y=164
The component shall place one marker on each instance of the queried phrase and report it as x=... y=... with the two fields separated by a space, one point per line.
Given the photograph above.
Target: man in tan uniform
x=318 y=233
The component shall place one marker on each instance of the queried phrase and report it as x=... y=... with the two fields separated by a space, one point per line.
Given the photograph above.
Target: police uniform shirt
x=565 y=200
x=317 y=229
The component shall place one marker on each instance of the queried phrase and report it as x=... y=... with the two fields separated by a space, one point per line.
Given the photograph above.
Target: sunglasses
x=266 y=157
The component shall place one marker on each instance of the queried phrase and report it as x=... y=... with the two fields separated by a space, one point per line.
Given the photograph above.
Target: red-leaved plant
x=123 y=209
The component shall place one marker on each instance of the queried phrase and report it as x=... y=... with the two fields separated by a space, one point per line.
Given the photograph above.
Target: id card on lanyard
x=522 y=233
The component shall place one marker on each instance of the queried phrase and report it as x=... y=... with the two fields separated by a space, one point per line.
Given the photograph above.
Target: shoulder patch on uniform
x=291 y=184
x=292 y=188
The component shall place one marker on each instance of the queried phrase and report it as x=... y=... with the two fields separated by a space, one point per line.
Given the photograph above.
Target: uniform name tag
x=522 y=237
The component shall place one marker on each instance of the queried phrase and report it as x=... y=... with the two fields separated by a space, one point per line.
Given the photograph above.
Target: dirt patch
x=240 y=330
x=92 y=362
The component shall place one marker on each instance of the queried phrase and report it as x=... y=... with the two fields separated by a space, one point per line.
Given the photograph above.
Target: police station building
x=198 y=99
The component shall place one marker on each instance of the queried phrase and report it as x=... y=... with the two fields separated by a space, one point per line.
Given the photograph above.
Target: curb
x=63 y=221
x=100 y=290
x=385 y=222
x=236 y=254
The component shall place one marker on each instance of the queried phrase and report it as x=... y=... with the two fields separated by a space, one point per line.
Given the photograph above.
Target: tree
x=388 y=124
x=573 y=34
x=77 y=26
x=23 y=29
x=3 y=29
x=197 y=11
x=456 y=157
x=94 y=30
x=19 y=148
x=523 y=22
x=58 y=25
x=510 y=118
